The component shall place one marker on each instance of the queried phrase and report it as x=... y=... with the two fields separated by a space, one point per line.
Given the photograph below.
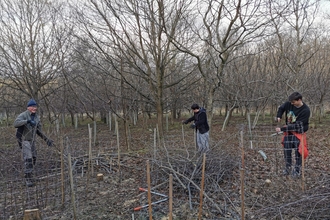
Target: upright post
x=242 y=179
x=73 y=199
x=170 y=203
x=149 y=190
x=201 y=194
x=32 y=214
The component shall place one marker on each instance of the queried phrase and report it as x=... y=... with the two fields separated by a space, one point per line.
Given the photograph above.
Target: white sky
x=325 y=6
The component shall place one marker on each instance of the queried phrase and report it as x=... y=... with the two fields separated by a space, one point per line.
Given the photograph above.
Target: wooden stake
x=166 y=117
x=116 y=125
x=155 y=143
x=99 y=177
x=184 y=142
x=32 y=214
x=94 y=136
x=149 y=190
x=73 y=199
x=110 y=121
x=75 y=121
x=170 y=203
x=57 y=126
x=118 y=144
x=62 y=172
x=202 y=189
x=242 y=179
x=158 y=135
x=89 y=162
x=90 y=166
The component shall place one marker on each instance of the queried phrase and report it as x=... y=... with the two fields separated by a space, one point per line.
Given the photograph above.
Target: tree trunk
x=228 y=115
x=159 y=109
x=210 y=102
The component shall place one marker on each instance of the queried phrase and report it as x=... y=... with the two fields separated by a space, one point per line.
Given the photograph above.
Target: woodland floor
x=227 y=173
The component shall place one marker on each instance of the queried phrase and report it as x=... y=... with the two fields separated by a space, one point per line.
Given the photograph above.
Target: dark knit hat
x=31 y=103
x=195 y=106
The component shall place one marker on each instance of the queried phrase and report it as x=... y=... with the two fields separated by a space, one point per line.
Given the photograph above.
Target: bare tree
x=317 y=75
x=249 y=82
x=32 y=46
x=293 y=23
x=137 y=35
x=226 y=26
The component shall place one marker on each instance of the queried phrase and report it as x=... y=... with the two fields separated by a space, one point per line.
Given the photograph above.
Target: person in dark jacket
x=28 y=125
x=296 y=125
x=201 y=126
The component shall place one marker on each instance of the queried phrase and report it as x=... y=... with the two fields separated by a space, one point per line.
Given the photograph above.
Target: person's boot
x=286 y=171
x=28 y=172
x=28 y=180
x=34 y=161
x=296 y=172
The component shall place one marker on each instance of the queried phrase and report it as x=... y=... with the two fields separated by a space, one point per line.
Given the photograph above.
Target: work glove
x=193 y=125
x=184 y=122
x=32 y=123
x=49 y=142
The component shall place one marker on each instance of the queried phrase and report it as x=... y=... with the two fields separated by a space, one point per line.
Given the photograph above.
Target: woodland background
x=144 y=63
x=154 y=57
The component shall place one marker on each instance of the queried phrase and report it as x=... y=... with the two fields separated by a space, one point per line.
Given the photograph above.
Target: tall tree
x=226 y=26
x=294 y=22
x=135 y=37
x=32 y=45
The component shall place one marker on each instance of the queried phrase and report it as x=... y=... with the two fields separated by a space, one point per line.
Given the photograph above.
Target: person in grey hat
x=28 y=125
x=201 y=126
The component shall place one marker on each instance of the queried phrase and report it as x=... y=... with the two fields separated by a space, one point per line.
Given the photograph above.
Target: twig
x=195 y=185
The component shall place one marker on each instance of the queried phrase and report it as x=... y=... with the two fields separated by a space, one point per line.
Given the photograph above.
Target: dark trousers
x=291 y=142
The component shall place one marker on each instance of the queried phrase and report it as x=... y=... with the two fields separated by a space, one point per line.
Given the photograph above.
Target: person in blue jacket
x=202 y=127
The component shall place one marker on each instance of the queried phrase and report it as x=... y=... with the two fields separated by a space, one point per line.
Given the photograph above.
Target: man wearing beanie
x=28 y=125
x=201 y=126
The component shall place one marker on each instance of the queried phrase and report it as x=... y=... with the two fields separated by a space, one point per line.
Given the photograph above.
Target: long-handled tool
x=276 y=120
x=155 y=193
x=145 y=206
x=277 y=133
x=159 y=194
